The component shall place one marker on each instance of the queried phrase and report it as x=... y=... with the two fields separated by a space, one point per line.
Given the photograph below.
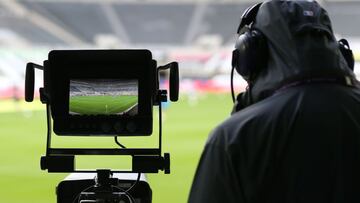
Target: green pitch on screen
x=102 y=104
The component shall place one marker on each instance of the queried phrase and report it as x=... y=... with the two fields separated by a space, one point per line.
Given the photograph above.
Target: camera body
x=75 y=184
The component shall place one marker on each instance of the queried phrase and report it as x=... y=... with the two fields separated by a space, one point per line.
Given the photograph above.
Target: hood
x=301 y=45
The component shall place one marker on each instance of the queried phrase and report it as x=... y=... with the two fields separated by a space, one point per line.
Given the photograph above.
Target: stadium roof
x=160 y=22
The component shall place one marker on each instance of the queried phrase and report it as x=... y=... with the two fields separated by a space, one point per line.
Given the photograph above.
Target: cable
x=232 y=84
x=130 y=188
x=160 y=126
x=118 y=143
x=49 y=129
x=77 y=196
x=137 y=180
x=131 y=198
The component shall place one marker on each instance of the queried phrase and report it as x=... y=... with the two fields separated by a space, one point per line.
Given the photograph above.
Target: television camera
x=102 y=93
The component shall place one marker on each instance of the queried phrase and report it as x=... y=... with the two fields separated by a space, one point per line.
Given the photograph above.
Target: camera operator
x=294 y=135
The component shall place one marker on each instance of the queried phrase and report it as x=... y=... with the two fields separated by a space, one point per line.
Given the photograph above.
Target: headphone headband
x=248 y=17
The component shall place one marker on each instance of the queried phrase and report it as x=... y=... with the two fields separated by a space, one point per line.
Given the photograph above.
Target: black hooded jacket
x=299 y=139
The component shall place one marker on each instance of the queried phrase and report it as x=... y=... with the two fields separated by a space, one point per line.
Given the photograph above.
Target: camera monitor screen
x=103 y=97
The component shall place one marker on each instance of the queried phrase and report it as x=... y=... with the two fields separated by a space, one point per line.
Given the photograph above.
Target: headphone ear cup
x=241 y=55
x=250 y=54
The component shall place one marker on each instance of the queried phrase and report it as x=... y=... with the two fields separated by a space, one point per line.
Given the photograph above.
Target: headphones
x=251 y=53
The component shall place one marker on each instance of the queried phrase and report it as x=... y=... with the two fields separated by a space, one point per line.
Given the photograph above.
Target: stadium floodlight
x=102 y=93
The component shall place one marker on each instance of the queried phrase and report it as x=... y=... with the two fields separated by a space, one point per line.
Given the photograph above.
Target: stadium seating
x=160 y=22
x=151 y=24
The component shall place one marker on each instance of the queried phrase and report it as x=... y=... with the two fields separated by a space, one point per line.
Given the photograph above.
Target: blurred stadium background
x=199 y=34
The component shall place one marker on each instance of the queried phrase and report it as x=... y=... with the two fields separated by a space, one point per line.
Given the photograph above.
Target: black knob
x=167 y=163
x=131 y=127
x=43 y=163
x=119 y=127
x=105 y=127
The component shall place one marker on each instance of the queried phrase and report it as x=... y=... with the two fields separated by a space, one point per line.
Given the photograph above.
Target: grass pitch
x=101 y=104
x=186 y=126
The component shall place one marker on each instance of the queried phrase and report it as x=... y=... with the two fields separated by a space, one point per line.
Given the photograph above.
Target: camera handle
x=173 y=81
x=30 y=80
